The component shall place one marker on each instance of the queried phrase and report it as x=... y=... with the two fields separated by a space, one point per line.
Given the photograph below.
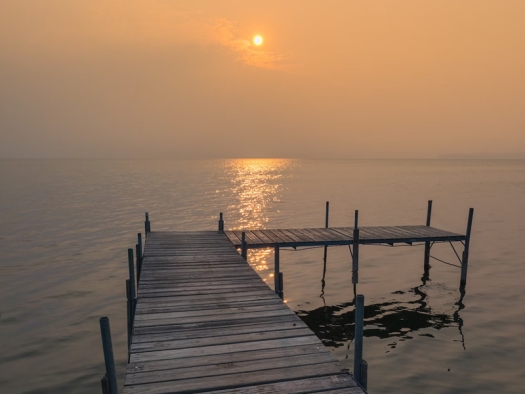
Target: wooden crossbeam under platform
x=341 y=236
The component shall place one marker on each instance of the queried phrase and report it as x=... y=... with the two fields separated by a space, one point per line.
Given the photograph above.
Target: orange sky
x=182 y=79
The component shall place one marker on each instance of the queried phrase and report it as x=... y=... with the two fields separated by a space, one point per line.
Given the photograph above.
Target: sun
x=257 y=40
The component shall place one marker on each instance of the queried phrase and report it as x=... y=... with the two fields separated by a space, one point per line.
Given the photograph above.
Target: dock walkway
x=341 y=236
x=206 y=322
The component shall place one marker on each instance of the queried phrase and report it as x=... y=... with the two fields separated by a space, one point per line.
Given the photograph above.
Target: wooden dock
x=203 y=321
x=206 y=322
x=341 y=236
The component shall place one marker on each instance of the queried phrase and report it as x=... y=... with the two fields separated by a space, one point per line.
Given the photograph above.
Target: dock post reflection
x=457 y=317
x=358 y=336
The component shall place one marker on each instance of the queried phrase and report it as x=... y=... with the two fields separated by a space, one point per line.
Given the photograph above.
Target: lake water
x=66 y=226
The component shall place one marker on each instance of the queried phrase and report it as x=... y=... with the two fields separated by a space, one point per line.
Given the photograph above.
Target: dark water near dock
x=66 y=226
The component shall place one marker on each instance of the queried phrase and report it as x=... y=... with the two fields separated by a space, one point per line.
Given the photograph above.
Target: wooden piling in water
x=355 y=254
x=427 y=244
x=358 y=336
x=464 y=260
x=109 y=360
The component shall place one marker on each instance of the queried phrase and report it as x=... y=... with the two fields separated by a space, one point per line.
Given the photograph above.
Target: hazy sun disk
x=257 y=40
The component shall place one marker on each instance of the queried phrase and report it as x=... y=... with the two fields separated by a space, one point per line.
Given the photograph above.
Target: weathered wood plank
x=291 y=234
x=238 y=379
x=164 y=328
x=184 y=299
x=177 y=307
x=230 y=317
x=279 y=238
x=211 y=312
x=228 y=358
x=229 y=368
x=263 y=237
x=304 y=234
x=298 y=386
x=220 y=349
x=219 y=332
x=219 y=340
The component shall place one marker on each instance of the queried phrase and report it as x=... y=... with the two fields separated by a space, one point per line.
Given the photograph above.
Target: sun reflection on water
x=257 y=184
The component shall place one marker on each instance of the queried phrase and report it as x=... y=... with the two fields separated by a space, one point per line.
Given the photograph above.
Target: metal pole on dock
x=281 y=285
x=358 y=336
x=427 y=244
x=221 y=222
x=132 y=283
x=147 y=226
x=355 y=255
x=364 y=374
x=464 y=260
x=139 y=256
x=105 y=385
x=276 y=270
x=327 y=212
x=244 y=246
x=129 y=320
x=107 y=346
x=326 y=226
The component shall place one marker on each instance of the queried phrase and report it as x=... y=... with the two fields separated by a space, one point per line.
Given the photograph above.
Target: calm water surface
x=66 y=226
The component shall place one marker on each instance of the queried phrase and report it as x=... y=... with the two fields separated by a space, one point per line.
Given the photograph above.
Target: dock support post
x=281 y=286
x=326 y=226
x=355 y=255
x=364 y=374
x=244 y=246
x=139 y=256
x=132 y=284
x=464 y=260
x=107 y=346
x=221 y=223
x=105 y=385
x=278 y=275
x=276 y=270
x=129 y=321
x=327 y=212
x=147 y=225
x=427 y=244
x=358 y=336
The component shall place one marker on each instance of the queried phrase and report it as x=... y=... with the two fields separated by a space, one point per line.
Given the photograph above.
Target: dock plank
x=241 y=379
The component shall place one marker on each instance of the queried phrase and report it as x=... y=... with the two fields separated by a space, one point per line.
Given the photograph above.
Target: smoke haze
x=182 y=79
